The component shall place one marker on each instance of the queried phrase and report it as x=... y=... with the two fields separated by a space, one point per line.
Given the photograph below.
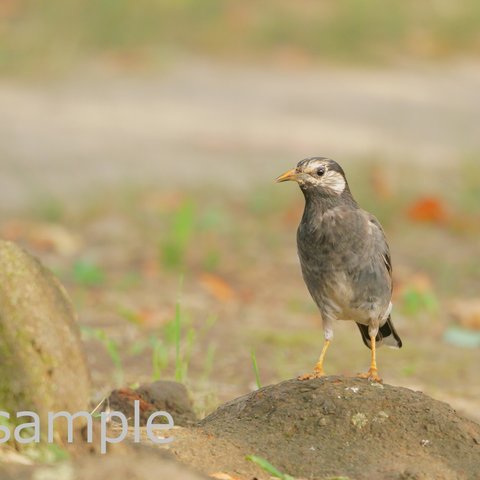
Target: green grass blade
x=178 y=334
x=255 y=369
x=110 y=345
x=159 y=358
x=209 y=361
x=268 y=467
x=173 y=248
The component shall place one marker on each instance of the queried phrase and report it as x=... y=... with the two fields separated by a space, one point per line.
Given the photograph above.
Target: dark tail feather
x=388 y=330
x=364 y=332
x=386 y=334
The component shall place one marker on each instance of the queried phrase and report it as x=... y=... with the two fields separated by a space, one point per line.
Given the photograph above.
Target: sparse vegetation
x=175 y=243
x=111 y=346
x=87 y=273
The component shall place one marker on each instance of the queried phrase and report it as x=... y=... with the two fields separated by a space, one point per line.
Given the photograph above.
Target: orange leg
x=372 y=373
x=318 y=369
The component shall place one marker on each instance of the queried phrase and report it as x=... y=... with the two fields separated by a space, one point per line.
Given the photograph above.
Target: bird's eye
x=321 y=171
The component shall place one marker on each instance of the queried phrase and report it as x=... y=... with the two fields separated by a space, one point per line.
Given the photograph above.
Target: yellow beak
x=290 y=175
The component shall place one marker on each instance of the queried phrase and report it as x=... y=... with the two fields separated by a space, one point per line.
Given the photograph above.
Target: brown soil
x=318 y=429
x=349 y=427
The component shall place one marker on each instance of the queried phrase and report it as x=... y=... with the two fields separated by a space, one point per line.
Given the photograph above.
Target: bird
x=344 y=258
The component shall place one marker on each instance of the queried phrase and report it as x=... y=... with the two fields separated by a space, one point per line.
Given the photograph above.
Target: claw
x=371 y=375
x=309 y=376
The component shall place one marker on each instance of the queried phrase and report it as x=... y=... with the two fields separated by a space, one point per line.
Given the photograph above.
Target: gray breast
x=343 y=271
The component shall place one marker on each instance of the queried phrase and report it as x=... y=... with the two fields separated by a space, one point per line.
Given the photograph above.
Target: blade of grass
x=187 y=352
x=110 y=345
x=255 y=369
x=178 y=333
x=208 y=325
x=209 y=361
x=268 y=467
x=173 y=248
x=159 y=358
x=114 y=352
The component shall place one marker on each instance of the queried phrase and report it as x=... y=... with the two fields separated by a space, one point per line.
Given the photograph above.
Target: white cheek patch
x=334 y=181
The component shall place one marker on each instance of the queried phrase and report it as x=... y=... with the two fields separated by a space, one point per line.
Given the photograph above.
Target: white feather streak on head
x=333 y=180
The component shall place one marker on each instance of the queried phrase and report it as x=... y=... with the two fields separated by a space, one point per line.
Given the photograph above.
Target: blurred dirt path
x=207 y=123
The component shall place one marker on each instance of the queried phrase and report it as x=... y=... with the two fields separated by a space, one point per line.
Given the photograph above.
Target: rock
x=162 y=395
x=42 y=365
x=337 y=426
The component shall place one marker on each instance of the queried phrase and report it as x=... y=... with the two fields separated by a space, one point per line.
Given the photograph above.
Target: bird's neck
x=316 y=203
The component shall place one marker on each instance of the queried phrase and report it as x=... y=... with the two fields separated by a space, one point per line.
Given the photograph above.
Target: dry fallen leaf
x=428 y=209
x=217 y=286
x=466 y=312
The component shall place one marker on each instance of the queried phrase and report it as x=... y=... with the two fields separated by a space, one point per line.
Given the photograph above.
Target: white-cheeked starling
x=344 y=257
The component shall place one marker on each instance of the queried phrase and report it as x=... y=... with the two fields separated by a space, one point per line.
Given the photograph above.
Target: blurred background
x=139 y=142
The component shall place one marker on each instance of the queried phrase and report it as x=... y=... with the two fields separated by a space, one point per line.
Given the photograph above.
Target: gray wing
x=380 y=243
x=371 y=277
x=387 y=333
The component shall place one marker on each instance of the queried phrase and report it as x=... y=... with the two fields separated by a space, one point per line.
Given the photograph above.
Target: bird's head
x=318 y=175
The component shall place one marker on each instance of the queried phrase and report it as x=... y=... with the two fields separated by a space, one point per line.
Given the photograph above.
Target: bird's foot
x=371 y=375
x=317 y=373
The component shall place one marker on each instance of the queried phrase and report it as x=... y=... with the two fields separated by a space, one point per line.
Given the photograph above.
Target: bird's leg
x=372 y=373
x=318 y=369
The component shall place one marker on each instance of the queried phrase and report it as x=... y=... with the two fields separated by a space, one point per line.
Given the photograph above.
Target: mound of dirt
x=350 y=427
x=163 y=395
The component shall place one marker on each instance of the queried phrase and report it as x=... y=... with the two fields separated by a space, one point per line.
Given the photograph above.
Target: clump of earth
x=336 y=426
x=162 y=395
